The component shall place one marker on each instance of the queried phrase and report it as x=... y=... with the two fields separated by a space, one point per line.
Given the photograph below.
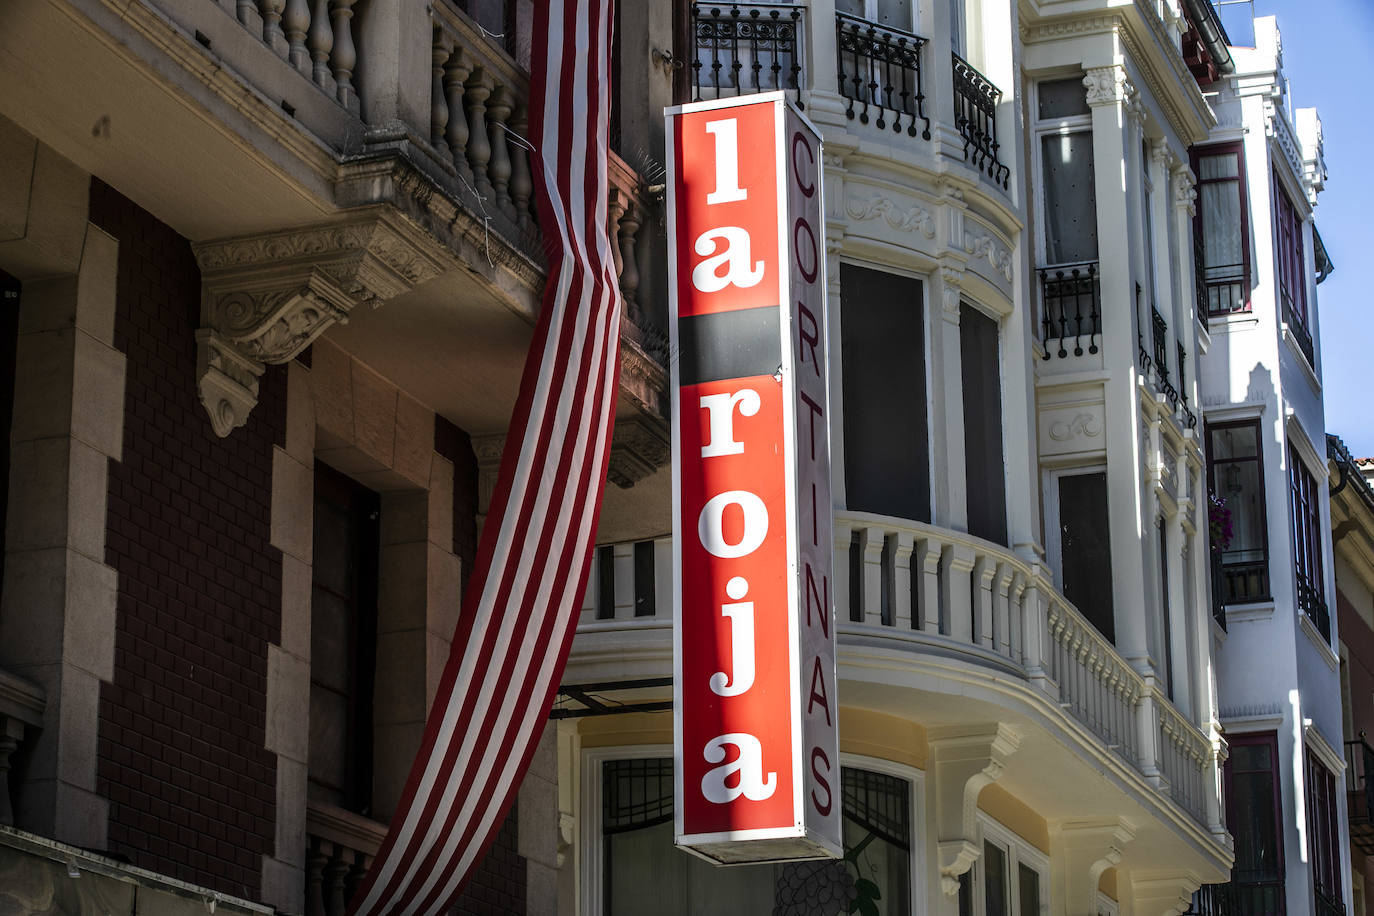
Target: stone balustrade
x=313 y=36
x=21 y=714
x=340 y=847
x=936 y=589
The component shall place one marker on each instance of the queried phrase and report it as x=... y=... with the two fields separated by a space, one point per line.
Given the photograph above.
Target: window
x=984 y=465
x=1078 y=534
x=883 y=360
x=1069 y=307
x=1323 y=836
x=1165 y=613
x=1222 y=229
x=896 y=14
x=640 y=871
x=1292 y=264
x=1305 y=509
x=1006 y=879
x=1235 y=476
x=1251 y=781
x=343 y=633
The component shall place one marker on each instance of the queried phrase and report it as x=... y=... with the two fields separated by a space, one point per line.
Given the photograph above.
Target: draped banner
x=520 y=611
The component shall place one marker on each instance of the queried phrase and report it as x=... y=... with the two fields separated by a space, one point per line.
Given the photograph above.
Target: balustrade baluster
x=456 y=72
x=345 y=55
x=902 y=551
x=295 y=22
x=615 y=209
x=440 y=50
x=245 y=10
x=479 y=88
x=521 y=185
x=319 y=41
x=628 y=234
x=498 y=110
x=315 y=861
x=334 y=900
x=271 y=23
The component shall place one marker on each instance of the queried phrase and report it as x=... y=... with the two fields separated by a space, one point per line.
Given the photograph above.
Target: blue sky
x=1328 y=46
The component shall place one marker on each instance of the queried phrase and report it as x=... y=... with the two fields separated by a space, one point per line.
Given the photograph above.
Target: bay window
x=1305 y=510
x=1324 y=836
x=1235 y=477
x=1251 y=784
x=1222 y=225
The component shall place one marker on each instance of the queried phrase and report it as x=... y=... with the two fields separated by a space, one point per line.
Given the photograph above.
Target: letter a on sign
x=755 y=741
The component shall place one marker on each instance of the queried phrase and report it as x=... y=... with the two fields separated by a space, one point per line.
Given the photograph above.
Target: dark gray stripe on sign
x=724 y=345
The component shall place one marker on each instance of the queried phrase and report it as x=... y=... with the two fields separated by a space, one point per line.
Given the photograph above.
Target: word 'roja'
x=756 y=746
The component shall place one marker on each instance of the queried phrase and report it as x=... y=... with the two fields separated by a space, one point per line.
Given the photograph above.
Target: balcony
x=739 y=49
x=1297 y=325
x=929 y=592
x=1154 y=364
x=1070 y=309
x=880 y=75
x=975 y=117
x=1311 y=602
x=1359 y=793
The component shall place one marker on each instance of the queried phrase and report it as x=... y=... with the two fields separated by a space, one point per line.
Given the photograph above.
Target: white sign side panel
x=670 y=133
x=814 y=532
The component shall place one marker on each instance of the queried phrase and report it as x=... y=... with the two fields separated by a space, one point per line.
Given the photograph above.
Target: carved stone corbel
x=1083 y=848
x=966 y=760
x=640 y=447
x=265 y=298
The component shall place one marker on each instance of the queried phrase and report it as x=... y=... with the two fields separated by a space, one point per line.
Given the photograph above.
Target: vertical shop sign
x=755 y=730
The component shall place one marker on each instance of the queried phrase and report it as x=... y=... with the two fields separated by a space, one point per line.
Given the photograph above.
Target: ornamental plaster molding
x=1083 y=424
x=1108 y=85
x=1277 y=128
x=265 y=298
x=912 y=219
x=951 y=279
x=966 y=759
x=981 y=245
x=639 y=448
x=1185 y=189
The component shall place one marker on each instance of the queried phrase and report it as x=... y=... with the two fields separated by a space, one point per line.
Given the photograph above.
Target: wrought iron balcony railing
x=1243 y=576
x=1159 y=337
x=1070 y=308
x=1359 y=793
x=880 y=71
x=1218 y=590
x=1213 y=900
x=975 y=117
x=1222 y=290
x=1298 y=325
x=743 y=48
x=1312 y=603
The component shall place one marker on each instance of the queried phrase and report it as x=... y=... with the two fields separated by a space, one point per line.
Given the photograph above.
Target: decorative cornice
x=264 y=298
x=640 y=447
x=913 y=219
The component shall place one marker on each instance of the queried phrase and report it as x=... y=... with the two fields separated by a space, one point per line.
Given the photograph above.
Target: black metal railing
x=1298 y=325
x=1070 y=308
x=1243 y=577
x=1213 y=900
x=1159 y=341
x=1312 y=603
x=975 y=117
x=743 y=48
x=1218 y=590
x=1328 y=904
x=1223 y=290
x=880 y=72
x=1359 y=793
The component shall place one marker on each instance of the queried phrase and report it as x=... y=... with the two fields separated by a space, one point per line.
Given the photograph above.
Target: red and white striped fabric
x=520 y=611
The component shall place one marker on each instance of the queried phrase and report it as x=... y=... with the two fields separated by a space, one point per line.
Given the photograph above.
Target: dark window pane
x=886 y=447
x=1070 y=198
x=1028 y=890
x=1085 y=548
x=994 y=880
x=1062 y=98
x=983 y=459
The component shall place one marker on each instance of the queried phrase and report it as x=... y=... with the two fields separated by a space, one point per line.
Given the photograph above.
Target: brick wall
x=181 y=756
x=498 y=884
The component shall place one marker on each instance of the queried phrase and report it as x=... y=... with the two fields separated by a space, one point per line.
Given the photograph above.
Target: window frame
x=591 y=868
x=1053 y=127
x=1271 y=739
x=1304 y=506
x=1212 y=489
x=1054 y=547
x=1317 y=790
x=1290 y=256
x=1242 y=189
x=1018 y=850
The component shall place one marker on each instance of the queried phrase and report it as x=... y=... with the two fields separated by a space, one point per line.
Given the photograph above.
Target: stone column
x=949 y=487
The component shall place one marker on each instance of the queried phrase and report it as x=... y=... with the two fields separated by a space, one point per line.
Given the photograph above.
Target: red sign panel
x=756 y=746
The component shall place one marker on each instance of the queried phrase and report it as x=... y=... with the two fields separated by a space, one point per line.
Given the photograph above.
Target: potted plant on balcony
x=1219 y=531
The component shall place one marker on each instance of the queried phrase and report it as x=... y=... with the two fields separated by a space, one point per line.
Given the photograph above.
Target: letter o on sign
x=711 y=524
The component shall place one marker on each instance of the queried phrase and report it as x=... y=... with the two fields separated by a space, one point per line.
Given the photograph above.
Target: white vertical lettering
x=721 y=407
x=752 y=783
x=733 y=256
x=711 y=524
x=741 y=617
x=727 y=162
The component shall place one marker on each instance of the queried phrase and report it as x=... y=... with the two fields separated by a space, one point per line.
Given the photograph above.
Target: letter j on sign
x=755 y=718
